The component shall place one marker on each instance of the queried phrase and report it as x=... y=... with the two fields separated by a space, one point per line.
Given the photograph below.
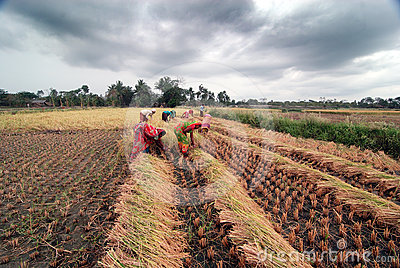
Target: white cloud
x=273 y=49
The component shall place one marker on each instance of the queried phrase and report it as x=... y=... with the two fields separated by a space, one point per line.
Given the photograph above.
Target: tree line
x=367 y=102
x=170 y=94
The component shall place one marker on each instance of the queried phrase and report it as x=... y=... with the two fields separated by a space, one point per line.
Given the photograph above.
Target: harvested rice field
x=244 y=197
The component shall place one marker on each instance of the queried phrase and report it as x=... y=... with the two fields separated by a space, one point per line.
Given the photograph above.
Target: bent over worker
x=165 y=116
x=181 y=131
x=144 y=136
x=145 y=114
x=206 y=124
x=187 y=113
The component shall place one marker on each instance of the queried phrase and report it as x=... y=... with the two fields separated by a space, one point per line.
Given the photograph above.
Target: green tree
x=69 y=97
x=142 y=95
x=223 y=98
x=83 y=90
x=21 y=99
x=173 y=97
x=202 y=94
x=96 y=100
x=205 y=95
x=119 y=95
x=4 y=98
x=166 y=83
x=40 y=93
x=191 y=94
x=53 y=96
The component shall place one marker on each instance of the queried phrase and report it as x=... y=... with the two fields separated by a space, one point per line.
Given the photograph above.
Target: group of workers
x=145 y=134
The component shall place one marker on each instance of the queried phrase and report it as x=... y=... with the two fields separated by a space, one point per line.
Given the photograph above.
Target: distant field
x=377 y=118
x=354 y=111
x=88 y=119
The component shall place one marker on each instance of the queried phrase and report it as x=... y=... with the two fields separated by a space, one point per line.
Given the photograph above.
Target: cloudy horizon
x=279 y=50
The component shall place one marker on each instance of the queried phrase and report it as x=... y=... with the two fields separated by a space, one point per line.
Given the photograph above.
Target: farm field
x=244 y=197
x=378 y=118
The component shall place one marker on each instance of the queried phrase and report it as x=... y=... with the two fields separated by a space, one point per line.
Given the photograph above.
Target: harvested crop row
x=259 y=242
x=193 y=184
x=379 y=160
x=358 y=175
x=197 y=183
x=307 y=207
x=192 y=226
x=240 y=219
x=146 y=233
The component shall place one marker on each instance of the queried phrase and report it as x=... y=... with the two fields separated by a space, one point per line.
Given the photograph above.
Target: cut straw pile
x=382 y=209
x=260 y=243
x=255 y=236
x=145 y=234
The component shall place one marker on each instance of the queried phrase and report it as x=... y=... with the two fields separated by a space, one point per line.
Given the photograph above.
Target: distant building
x=40 y=103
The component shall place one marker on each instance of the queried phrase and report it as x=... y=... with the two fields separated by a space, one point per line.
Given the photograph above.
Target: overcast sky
x=280 y=50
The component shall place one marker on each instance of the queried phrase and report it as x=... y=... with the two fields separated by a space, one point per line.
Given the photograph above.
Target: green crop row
x=385 y=139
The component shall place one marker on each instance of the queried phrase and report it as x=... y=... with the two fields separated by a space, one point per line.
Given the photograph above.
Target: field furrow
x=209 y=210
x=356 y=174
x=379 y=161
x=57 y=190
x=312 y=210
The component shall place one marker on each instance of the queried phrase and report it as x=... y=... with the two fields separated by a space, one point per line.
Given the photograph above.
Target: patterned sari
x=143 y=137
x=187 y=113
x=183 y=140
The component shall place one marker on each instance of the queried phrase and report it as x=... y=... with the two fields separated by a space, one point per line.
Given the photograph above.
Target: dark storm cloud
x=147 y=37
x=88 y=32
x=234 y=15
x=332 y=34
x=107 y=34
x=83 y=19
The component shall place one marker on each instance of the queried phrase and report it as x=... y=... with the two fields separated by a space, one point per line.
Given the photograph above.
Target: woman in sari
x=187 y=113
x=181 y=131
x=144 y=136
x=206 y=124
x=165 y=116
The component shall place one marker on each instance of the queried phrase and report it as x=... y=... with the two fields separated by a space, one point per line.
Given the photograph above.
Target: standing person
x=202 y=110
x=181 y=131
x=145 y=114
x=144 y=136
x=165 y=116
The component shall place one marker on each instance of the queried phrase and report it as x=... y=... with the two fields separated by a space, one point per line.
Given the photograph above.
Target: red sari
x=144 y=135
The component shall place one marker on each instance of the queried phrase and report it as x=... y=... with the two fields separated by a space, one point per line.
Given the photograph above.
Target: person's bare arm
x=191 y=138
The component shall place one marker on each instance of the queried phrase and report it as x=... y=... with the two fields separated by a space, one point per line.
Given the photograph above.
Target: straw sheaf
x=339 y=165
x=145 y=234
x=335 y=163
x=363 y=201
x=378 y=160
x=385 y=210
x=254 y=234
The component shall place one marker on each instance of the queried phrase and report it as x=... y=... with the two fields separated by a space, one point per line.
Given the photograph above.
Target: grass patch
x=385 y=139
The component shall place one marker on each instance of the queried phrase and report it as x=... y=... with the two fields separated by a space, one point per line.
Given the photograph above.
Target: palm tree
x=53 y=94
x=116 y=93
x=191 y=94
